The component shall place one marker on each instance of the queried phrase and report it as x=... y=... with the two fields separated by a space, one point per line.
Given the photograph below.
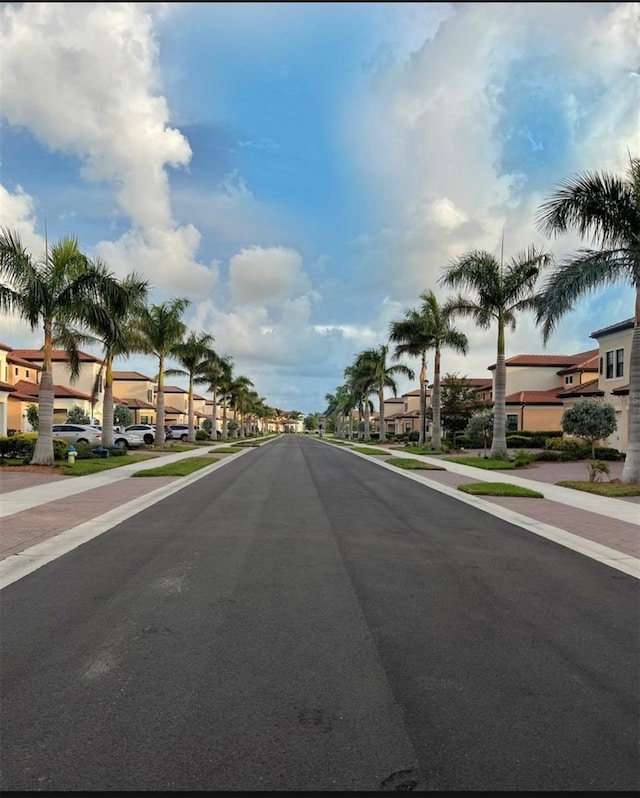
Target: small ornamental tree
x=589 y=420
x=122 y=416
x=480 y=428
x=77 y=416
x=32 y=417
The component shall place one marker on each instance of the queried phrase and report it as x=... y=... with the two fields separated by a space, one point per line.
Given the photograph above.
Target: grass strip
x=411 y=463
x=368 y=450
x=601 y=488
x=499 y=489
x=180 y=469
x=225 y=450
x=480 y=462
x=94 y=465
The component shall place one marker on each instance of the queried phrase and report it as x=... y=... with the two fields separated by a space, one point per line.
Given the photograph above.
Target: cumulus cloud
x=267 y=276
x=84 y=79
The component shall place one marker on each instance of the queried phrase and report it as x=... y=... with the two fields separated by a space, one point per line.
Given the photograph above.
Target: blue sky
x=302 y=171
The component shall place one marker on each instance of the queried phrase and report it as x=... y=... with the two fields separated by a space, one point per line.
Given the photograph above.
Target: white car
x=78 y=433
x=130 y=440
x=146 y=431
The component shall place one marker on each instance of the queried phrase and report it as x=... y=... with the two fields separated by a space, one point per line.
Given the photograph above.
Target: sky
x=301 y=172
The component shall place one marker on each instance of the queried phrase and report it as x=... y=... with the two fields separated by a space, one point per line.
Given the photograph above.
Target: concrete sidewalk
x=45 y=516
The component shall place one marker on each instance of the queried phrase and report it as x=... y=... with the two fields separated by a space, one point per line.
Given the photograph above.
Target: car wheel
x=183 y=438
x=148 y=439
x=82 y=440
x=121 y=442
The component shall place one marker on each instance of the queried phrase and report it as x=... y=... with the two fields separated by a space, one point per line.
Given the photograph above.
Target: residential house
x=137 y=392
x=610 y=383
x=393 y=413
x=89 y=382
x=176 y=404
x=534 y=383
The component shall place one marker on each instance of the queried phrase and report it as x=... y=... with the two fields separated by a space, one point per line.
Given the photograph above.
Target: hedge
x=21 y=447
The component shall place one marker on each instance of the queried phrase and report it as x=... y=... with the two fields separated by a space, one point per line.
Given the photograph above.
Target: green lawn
x=480 y=462
x=498 y=489
x=411 y=463
x=602 y=488
x=224 y=450
x=95 y=465
x=368 y=450
x=180 y=469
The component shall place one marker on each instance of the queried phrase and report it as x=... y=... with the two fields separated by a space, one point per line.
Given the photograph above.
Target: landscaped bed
x=180 y=469
x=413 y=464
x=482 y=462
x=613 y=489
x=498 y=489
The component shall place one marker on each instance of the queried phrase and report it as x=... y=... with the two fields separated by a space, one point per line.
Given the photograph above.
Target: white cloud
x=267 y=276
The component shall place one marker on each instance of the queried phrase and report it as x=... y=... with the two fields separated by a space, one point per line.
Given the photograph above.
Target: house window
x=568 y=380
x=609 y=365
x=144 y=420
x=512 y=422
x=150 y=396
x=600 y=366
x=16 y=371
x=619 y=362
x=27 y=373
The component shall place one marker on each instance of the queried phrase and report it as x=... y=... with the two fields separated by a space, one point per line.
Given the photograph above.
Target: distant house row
x=539 y=389
x=20 y=386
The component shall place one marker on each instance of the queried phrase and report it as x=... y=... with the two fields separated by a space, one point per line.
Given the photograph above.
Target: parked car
x=78 y=433
x=146 y=431
x=177 y=432
x=130 y=440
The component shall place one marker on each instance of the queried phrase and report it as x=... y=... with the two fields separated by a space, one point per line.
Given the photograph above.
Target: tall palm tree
x=194 y=354
x=606 y=208
x=160 y=329
x=216 y=371
x=239 y=398
x=359 y=384
x=58 y=292
x=429 y=327
x=380 y=375
x=501 y=291
x=114 y=334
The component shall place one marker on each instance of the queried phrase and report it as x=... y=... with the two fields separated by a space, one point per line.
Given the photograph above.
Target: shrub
x=77 y=416
x=84 y=451
x=413 y=436
x=523 y=459
x=21 y=446
x=202 y=435
x=518 y=441
x=548 y=455
x=596 y=469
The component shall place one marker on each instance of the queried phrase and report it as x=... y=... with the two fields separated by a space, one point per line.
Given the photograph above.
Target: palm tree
x=500 y=293
x=428 y=327
x=607 y=208
x=57 y=293
x=160 y=329
x=216 y=371
x=359 y=385
x=379 y=376
x=240 y=400
x=194 y=354
x=114 y=334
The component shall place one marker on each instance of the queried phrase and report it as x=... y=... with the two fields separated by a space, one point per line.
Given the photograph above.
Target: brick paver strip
x=22 y=530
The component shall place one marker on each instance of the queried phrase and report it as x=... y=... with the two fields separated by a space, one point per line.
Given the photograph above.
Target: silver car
x=146 y=431
x=78 y=433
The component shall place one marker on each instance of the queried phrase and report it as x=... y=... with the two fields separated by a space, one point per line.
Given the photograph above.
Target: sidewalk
x=44 y=516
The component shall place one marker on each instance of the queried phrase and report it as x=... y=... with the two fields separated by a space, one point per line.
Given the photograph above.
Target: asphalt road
x=303 y=619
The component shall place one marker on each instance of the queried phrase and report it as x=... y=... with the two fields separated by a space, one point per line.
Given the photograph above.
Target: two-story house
x=135 y=391
x=22 y=368
x=534 y=383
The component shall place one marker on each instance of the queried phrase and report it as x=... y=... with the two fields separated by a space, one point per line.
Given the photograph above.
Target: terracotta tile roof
x=592 y=364
x=412 y=393
x=58 y=355
x=131 y=375
x=19 y=361
x=623 y=389
x=549 y=360
x=472 y=382
x=619 y=326
x=549 y=397
x=174 y=389
x=134 y=403
x=393 y=416
x=4 y=386
x=32 y=390
x=586 y=389
x=5 y=347
x=169 y=409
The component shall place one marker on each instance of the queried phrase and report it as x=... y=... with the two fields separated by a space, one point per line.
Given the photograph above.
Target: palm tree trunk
x=631 y=469
x=224 y=419
x=436 y=436
x=159 y=438
x=43 y=450
x=422 y=436
x=367 y=420
x=214 y=416
x=107 y=403
x=499 y=442
x=190 y=420
x=382 y=437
